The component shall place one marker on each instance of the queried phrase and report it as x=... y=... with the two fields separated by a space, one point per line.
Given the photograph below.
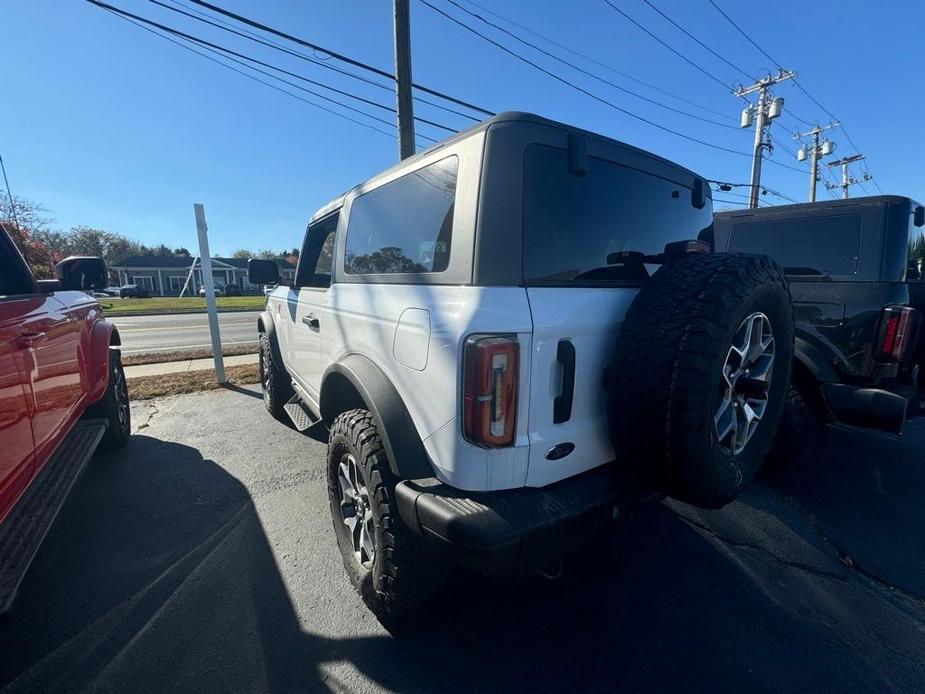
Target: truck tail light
x=898 y=333
x=490 y=390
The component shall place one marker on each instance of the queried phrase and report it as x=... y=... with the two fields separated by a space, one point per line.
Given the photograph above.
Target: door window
x=404 y=226
x=15 y=278
x=317 y=257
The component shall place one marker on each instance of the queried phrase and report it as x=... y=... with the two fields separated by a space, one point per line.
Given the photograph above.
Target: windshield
x=597 y=227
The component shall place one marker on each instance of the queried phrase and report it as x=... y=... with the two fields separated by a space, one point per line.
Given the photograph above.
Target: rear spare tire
x=701 y=372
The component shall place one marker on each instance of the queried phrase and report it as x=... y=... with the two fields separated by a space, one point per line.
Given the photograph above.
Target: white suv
x=499 y=327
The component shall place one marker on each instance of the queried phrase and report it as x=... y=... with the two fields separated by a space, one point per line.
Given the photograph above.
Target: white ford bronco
x=508 y=336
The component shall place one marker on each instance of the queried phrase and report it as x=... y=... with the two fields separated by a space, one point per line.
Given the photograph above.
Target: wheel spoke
x=725 y=420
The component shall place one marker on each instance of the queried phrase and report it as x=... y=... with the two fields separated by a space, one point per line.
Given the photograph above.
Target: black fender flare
x=356 y=375
x=814 y=360
x=266 y=325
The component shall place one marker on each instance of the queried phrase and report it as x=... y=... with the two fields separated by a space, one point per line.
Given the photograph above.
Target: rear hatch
x=584 y=235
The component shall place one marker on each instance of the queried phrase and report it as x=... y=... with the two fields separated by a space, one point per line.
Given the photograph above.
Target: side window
x=804 y=246
x=15 y=277
x=405 y=226
x=915 y=270
x=317 y=257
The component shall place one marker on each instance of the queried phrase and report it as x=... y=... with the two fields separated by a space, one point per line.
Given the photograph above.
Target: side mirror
x=48 y=286
x=83 y=273
x=918 y=216
x=262 y=271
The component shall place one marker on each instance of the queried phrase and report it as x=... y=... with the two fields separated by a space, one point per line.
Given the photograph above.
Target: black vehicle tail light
x=490 y=390
x=898 y=333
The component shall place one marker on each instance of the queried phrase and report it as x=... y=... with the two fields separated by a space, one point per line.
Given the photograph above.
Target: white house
x=166 y=275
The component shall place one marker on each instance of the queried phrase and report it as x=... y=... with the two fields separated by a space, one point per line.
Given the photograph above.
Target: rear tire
x=114 y=406
x=691 y=417
x=274 y=381
x=385 y=562
x=799 y=430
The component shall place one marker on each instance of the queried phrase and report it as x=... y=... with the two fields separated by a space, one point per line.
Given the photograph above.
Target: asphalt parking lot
x=202 y=558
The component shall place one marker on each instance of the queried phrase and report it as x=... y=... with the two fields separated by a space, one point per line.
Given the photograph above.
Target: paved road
x=202 y=559
x=184 y=331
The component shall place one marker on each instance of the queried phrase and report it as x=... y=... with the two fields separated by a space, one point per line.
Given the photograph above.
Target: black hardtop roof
x=505 y=117
x=803 y=207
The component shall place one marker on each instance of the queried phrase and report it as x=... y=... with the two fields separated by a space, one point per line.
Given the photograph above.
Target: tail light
x=490 y=390
x=898 y=329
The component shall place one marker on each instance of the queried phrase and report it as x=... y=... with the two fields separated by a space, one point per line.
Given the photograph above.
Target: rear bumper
x=514 y=532
x=877 y=408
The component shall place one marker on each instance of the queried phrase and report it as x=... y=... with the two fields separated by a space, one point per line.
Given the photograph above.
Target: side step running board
x=302 y=417
x=25 y=527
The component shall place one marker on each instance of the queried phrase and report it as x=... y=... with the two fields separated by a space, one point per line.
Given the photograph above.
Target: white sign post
x=207 y=281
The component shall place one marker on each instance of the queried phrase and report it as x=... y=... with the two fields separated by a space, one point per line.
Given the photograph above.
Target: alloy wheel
x=742 y=397
x=355 y=509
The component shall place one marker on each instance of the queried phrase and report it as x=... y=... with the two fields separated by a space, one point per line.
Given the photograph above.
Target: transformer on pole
x=767 y=109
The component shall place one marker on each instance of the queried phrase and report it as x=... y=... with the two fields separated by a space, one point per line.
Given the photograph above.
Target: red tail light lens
x=490 y=390
x=898 y=328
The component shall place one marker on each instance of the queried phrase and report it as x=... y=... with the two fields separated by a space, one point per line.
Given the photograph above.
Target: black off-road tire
x=667 y=372
x=274 y=381
x=403 y=574
x=799 y=429
x=114 y=406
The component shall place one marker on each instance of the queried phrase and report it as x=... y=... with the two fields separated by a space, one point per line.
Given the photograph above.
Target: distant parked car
x=231 y=290
x=218 y=291
x=136 y=291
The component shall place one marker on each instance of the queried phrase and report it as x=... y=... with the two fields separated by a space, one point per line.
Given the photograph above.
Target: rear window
x=596 y=227
x=404 y=226
x=810 y=246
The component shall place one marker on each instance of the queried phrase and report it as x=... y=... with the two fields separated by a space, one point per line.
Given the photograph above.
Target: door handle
x=562 y=404
x=311 y=320
x=30 y=339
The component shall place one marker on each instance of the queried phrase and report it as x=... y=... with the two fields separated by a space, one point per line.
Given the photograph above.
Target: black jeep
x=857 y=276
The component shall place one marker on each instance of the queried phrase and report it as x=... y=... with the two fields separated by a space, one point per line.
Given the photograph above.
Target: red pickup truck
x=62 y=395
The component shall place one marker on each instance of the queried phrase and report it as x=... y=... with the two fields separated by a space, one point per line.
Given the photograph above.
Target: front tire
x=385 y=563
x=114 y=406
x=274 y=381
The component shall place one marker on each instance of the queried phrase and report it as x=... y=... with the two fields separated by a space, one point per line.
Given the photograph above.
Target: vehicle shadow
x=159 y=576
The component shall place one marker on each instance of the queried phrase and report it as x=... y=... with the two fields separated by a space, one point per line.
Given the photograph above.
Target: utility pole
x=767 y=110
x=847 y=180
x=404 y=105
x=816 y=151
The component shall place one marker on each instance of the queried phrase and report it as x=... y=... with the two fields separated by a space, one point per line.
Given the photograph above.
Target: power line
x=576 y=87
x=228 y=51
x=587 y=72
x=595 y=61
x=795 y=81
x=9 y=193
x=268 y=84
x=669 y=46
x=334 y=54
x=698 y=41
x=251 y=36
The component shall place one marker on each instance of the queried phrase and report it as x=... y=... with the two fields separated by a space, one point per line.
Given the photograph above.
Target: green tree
x=243 y=253
x=182 y=251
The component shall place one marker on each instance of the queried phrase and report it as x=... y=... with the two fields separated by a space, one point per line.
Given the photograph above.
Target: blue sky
x=107 y=125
